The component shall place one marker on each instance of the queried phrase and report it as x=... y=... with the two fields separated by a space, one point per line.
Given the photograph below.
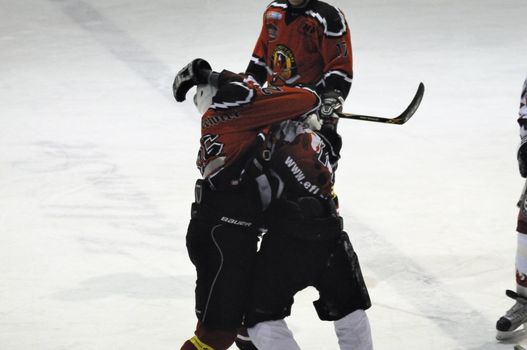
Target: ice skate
x=513 y=322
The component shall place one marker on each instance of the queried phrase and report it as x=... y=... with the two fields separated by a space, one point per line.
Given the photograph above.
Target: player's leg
x=292 y=256
x=206 y=338
x=223 y=256
x=516 y=316
x=278 y=276
x=353 y=331
x=345 y=304
x=273 y=335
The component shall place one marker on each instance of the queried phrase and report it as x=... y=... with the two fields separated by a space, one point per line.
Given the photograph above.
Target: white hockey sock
x=521 y=258
x=353 y=331
x=272 y=335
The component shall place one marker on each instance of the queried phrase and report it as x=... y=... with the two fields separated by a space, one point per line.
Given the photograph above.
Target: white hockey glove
x=196 y=72
x=313 y=121
x=332 y=102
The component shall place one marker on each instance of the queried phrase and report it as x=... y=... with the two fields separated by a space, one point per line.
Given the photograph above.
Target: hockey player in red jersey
x=517 y=315
x=305 y=245
x=225 y=217
x=305 y=42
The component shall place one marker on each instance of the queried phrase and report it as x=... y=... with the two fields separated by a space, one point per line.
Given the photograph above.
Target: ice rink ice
x=97 y=166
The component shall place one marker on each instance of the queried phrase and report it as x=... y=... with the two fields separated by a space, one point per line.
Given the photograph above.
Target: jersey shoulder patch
x=329 y=17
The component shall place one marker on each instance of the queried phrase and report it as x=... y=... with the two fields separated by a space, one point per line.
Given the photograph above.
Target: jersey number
x=209 y=147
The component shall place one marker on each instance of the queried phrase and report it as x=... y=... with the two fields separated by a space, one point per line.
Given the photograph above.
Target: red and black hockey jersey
x=309 y=45
x=301 y=158
x=239 y=112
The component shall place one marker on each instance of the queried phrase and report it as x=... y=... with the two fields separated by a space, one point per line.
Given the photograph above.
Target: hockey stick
x=399 y=120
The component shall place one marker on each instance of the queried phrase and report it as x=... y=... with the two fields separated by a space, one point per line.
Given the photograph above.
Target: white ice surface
x=97 y=168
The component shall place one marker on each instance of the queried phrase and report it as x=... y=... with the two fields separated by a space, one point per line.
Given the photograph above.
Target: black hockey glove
x=194 y=73
x=522 y=157
x=332 y=102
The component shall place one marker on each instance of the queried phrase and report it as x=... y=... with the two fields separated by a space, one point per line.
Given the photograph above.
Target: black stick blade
x=399 y=120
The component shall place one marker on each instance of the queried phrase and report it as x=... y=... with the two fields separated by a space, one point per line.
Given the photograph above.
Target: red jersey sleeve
x=240 y=110
x=336 y=51
x=257 y=66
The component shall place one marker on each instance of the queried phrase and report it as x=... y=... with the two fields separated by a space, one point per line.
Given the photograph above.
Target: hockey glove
x=522 y=157
x=194 y=73
x=332 y=102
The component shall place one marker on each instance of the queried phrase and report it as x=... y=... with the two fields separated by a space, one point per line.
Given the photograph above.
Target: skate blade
x=518 y=332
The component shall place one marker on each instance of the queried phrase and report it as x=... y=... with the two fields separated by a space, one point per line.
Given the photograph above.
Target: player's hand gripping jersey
x=240 y=111
x=309 y=45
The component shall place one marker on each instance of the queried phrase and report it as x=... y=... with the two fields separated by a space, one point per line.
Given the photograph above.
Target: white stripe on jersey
x=322 y=21
x=225 y=105
x=336 y=72
x=259 y=62
x=277 y=4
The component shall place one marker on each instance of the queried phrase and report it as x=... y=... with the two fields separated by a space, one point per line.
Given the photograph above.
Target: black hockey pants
x=298 y=252
x=222 y=240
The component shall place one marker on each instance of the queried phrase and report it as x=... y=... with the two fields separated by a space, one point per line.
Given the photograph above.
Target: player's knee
x=329 y=311
x=272 y=335
x=353 y=331
x=243 y=341
x=521 y=225
x=210 y=339
x=259 y=314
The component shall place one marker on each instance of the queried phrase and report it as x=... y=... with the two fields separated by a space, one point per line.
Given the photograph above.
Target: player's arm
x=274 y=105
x=257 y=67
x=258 y=107
x=335 y=48
x=338 y=64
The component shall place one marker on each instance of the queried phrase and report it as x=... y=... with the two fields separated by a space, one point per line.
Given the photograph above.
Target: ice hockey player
x=223 y=231
x=517 y=315
x=306 y=42
x=305 y=245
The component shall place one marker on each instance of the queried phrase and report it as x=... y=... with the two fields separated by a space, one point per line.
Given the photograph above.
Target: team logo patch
x=274 y=15
x=284 y=64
